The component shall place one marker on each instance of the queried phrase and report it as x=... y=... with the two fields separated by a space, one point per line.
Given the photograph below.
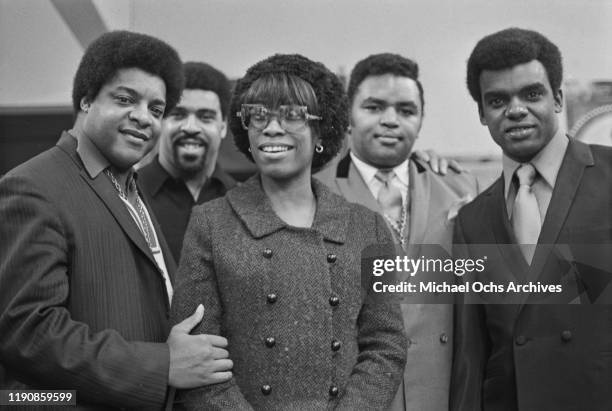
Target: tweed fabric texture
x=237 y=252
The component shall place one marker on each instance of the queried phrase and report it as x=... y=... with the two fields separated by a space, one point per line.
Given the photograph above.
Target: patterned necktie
x=389 y=196
x=526 y=220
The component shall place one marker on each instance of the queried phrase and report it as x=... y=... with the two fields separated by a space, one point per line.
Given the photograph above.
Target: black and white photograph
x=402 y=205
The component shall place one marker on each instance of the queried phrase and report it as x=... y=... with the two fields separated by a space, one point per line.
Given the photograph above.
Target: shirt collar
x=547 y=162
x=156 y=176
x=368 y=172
x=93 y=161
x=253 y=207
x=159 y=175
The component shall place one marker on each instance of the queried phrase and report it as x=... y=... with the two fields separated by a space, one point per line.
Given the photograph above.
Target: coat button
x=267 y=253
x=266 y=389
x=333 y=391
x=335 y=345
x=443 y=338
x=566 y=335
x=331 y=258
x=270 y=342
x=521 y=340
x=272 y=298
x=334 y=301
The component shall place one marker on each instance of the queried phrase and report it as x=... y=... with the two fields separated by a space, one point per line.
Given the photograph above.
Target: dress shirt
x=171 y=200
x=547 y=163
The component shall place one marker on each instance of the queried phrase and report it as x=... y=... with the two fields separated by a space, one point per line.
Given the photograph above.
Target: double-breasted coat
x=550 y=351
x=302 y=334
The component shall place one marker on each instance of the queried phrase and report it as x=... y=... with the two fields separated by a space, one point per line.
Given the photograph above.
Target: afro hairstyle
x=202 y=76
x=330 y=100
x=508 y=48
x=381 y=64
x=117 y=50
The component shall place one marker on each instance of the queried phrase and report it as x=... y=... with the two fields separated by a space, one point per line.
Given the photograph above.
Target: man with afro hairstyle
x=386 y=106
x=186 y=172
x=545 y=221
x=86 y=275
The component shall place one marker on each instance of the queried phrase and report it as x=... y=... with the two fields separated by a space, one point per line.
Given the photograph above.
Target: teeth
x=191 y=145
x=274 y=149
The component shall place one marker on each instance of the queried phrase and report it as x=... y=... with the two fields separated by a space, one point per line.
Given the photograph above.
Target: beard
x=189 y=162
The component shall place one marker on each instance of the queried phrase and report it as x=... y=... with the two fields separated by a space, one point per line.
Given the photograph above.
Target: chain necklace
x=399 y=229
x=139 y=207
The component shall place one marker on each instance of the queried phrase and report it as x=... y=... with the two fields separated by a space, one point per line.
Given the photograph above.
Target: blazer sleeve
x=40 y=344
x=470 y=350
x=382 y=349
x=196 y=284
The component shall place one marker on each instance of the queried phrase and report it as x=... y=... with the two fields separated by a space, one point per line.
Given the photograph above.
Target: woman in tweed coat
x=276 y=262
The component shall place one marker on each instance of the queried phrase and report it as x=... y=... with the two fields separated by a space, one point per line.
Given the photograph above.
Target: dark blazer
x=83 y=304
x=434 y=202
x=530 y=356
x=301 y=333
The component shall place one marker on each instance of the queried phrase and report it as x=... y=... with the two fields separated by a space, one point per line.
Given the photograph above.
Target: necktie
x=390 y=200
x=526 y=220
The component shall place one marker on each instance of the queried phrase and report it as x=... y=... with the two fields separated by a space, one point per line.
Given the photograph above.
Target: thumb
x=188 y=323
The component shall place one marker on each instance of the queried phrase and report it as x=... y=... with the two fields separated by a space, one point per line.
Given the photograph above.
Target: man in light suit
x=86 y=275
x=549 y=351
x=386 y=112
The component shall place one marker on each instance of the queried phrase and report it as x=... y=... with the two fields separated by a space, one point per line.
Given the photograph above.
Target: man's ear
x=84 y=104
x=558 y=101
x=223 y=129
x=483 y=120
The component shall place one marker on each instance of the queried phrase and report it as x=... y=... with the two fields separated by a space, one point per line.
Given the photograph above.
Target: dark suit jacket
x=82 y=302
x=529 y=355
x=238 y=253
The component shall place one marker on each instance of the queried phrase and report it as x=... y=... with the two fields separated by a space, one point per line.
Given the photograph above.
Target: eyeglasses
x=290 y=117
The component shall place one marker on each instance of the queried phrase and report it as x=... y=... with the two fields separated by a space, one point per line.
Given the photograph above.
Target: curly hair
x=381 y=64
x=202 y=76
x=124 y=49
x=508 y=48
x=280 y=79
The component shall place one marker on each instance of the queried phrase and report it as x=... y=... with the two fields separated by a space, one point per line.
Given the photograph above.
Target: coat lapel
x=109 y=197
x=252 y=206
x=577 y=157
x=420 y=206
x=352 y=187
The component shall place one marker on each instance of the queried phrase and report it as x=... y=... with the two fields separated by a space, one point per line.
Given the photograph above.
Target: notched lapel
x=578 y=156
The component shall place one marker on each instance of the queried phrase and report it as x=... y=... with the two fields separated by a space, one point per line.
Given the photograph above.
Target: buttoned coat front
x=301 y=333
x=550 y=351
